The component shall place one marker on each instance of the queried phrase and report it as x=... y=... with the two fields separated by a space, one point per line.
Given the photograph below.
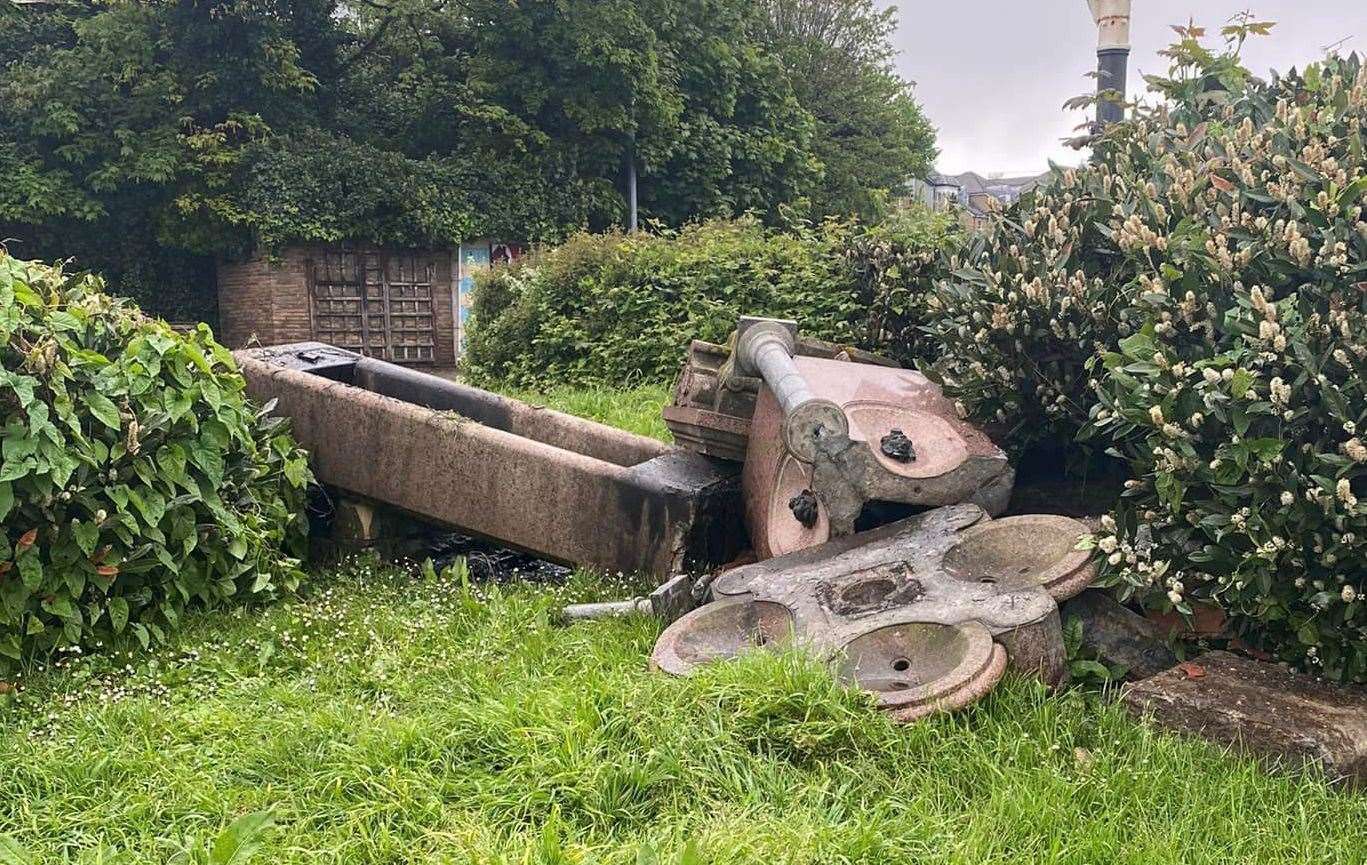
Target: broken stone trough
x=561 y=487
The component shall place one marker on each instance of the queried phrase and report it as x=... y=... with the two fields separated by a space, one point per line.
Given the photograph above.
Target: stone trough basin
x=926 y=613
x=566 y=489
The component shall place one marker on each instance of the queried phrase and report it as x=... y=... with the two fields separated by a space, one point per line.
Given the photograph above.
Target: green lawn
x=636 y=409
x=387 y=717
x=384 y=716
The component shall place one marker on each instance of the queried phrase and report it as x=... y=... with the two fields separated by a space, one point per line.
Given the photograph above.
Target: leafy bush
x=894 y=264
x=613 y=309
x=136 y=478
x=1081 y=260
x=1193 y=301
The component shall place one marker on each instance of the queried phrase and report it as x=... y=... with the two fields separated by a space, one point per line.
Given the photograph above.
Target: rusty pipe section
x=563 y=489
x=764 y=348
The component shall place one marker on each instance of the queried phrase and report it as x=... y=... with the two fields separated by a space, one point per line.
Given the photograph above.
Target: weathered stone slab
x=1118 y=635
x=1263 y=708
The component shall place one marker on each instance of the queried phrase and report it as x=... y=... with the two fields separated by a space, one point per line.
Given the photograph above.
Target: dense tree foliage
x=134 y=131
x=870 y=133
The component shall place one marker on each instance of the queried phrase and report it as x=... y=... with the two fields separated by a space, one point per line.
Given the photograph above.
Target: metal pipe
x=608 y=610
x=764 y=347
x=767 y=349
x=631 y=183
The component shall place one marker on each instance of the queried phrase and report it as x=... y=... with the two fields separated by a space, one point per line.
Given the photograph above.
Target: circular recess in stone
x=1034 y=549
x=786 y=533
x=722 y=630
x=938 y=446
x=975 y=690
x=871 y=590
x=917 y=663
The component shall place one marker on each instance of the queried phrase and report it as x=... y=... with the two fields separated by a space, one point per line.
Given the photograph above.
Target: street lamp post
x=1112 y=19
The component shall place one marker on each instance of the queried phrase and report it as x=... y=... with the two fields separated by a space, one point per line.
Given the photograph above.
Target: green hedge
x=135 y=477
x=619 y=309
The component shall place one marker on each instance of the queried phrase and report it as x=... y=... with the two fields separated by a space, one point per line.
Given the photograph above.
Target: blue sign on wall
x=474 y=257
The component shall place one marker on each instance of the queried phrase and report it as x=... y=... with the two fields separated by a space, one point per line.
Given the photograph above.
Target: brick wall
x=443 y=312
x=266 y=301
x=290 y=308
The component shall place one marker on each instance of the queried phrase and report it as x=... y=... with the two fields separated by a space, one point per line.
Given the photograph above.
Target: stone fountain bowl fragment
x=901 y=611
x=918 y=664
x=721 y=631
x=1034 y=549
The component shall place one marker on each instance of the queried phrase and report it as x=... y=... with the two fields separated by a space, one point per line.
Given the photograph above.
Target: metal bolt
x=896 y=445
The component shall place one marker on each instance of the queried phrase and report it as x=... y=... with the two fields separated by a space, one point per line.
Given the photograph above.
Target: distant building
x=977 y=197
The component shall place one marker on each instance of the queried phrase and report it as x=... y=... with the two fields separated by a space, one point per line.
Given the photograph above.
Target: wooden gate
x=375 y=302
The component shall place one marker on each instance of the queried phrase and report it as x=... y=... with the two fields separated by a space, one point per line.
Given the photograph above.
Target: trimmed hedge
x=135 y=479
x=617 y=309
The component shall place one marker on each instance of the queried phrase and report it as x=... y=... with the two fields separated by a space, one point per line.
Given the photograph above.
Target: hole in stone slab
x=867 y=593
x=901 y=665
x=988 y=580
x=862 y=593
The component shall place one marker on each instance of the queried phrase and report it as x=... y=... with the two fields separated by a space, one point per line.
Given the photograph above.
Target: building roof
x=972 y=181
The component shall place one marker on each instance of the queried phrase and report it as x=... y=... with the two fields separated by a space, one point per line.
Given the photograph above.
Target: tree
x=136 y=131
x=871 y=136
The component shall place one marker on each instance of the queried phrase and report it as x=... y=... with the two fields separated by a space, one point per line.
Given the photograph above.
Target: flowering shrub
x=1079 y=262
x=1193 y=302
x=1245 y=446
x=135 y=478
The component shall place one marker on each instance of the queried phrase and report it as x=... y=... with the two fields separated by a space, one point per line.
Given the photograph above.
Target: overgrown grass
x=383 y=716
x=635 y=409
x=387 y=717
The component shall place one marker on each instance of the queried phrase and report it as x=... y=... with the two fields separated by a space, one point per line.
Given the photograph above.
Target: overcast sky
x=993 y=74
